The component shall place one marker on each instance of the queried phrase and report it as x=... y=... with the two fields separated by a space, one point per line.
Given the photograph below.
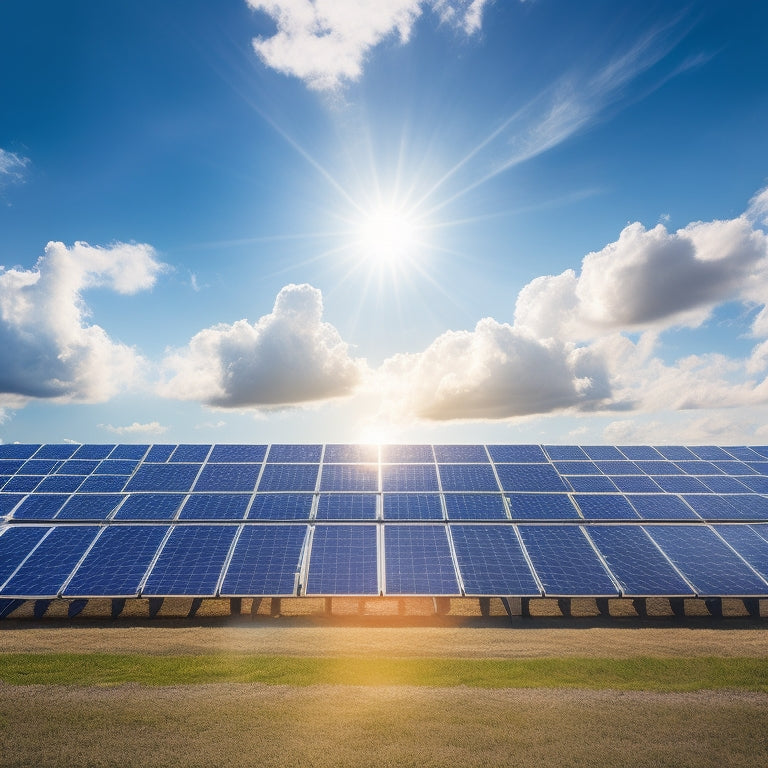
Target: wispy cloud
x=150 y=428
x=12 y=167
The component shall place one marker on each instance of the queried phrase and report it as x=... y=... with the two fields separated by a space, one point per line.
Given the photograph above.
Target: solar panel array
x=277 y=520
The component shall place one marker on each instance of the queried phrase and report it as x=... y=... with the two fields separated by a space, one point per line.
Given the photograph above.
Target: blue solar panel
x=724 y=484
x=661 y=506
x=680 y=484
x=710 y=453
x=591 y=484
x=469 y=477
x=659 y=468
x=246 y=454
x=758 y=484
x=749 y=544
x=675 y=452
x=491 y=561
x=743 y=453
x=39 y=467
x=55 y=451
x=603 y=452
x=406 y=454
x=529 y=477
x=160 y=453
x=542 y=506
x=10 y=466
x=699 y=468
x=116 y=467
x=577 y=468
x=191 y=561
x=605 y=506
x=42 y=507
x=21 y=483
x=565 y=562
x=17 y=450
x=44 y=572
x=8 y=501
x=516 y=454
x=636 y=562
x=163 y=477
x=343 y=561
x=150 y=506
x=619 y=467
x=705 y=561
x=640 y=452
x=412 y=506
x=265 y=561
x=409 y=477
x=741 y=507
x=418 y=561
x=93 y=506
x=475 y=506
x=460 y=454
x=291 y=454
x=635 y=484
x=59 y=484
x=289 y=477
x=350 y=477
x=350 y=454
x=228 y=477
x=281 y=506
x=117 y=562
x=737 y=468
x=15 y=544
x=215 y=506
x=752 y=506
x=346 y=506
x=190 y=453
x=129 y=451
x=565 y=453
x=761 y=467
x=99 y=451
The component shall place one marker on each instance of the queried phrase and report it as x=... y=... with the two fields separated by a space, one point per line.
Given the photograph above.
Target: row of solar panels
x=204 y=560
x=107 y=507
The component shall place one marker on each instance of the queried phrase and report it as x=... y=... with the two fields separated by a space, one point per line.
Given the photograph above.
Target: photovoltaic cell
x=737 y=468
x=605 y=506
x=10 y=466
x=98 y=451
x=529 y=477
x=475 y=506
x=215 y=506
x=15 y=544
x=289 y=477
x=635 y=484
x=591 y=484
x=542 y=506
x=43 y=507
x=150 y=506
x=93 y=506
x=675 y=452
x=412 y=506
x=346 y=506
x=469 y=477
x=116 y=467
x=758 y=484
x=191 y=561
x=640 y=452
x=350 y=477
x=44 y=572
x=163 y=477
x=491 y=561
x=291 y=454
x=409 y=477
x=577 y=468
x=265 y=561
x=761 y=467
x=117 y=562
x=190 y=453
x=680 y=484
x=59 y=484
x=619 y=467
x=565 y=562
x=724 y=484
x=743 y=453
x=228 y=477
x=517 y=454
x=710 y=453
x=129 y=451
x=160 y=453
x=245 y=454
x=460 y=454
x=713 y=507
x=281 y=506
x=343 y=561
x=603 y=452
x=661 y=506
x=350 y=454
x=8 y=501
x=705 y=561
x=406 y=454
x=636 y=562
x=659 y=468
x=39 y=466
x=21 y=484
x=565 y=453
x=418 y=561
x=749 y=544
x=17 y=451
x=55 y=451
x=699 y=468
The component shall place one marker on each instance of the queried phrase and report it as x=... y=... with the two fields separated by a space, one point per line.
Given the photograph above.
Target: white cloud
x=325 y=42
x=12 y=167
x=286 y=358
x=47 y=347
x=150 y=428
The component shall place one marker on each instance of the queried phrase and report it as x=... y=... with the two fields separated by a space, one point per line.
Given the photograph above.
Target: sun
x=388 y=236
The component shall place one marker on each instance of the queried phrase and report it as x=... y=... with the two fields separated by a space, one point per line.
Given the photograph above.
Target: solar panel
x=412 y=506
x=542 y=506
x=460 y=454
x=409 y=477
x=290 y=454
x=8 y=501
x=39 y=466
x=94 y=506
x=634 y=484
x=706 y=562
x=350 y=454
x=659 y=468
x=228 y=477
x=10 y=466
x=743 y=453
x=55 y=451
x=710 y=453
x=98 y=451
x=190 y=453
x=660 y=506
x=565 y=453
x=21 y=484
x=418 y=561
x=748 y=543
x=190 y=562
x=565 y=562
x=406 y=454
x=150 y=506
x=603 y=452
x=346 y=506
x=215 y=506
x=577 y=468
x=605 y=506
x=343 y=561
x=516 y=454
x=724 y=484
x=636 y=562
x=129 y=451
x=736 y=468
x=350 y=477
x=699 y=468
x=76 y=467
x=640 y=452
x=468 y=477
x=15 y=544
x=42 y=507
x=160 y=453
x=680 y=484
x=475 y=506
x=675 y=452
x=230 y=454
x=289 y=477
x=281 y=506
x=115 y=467
x=17 y=450
x=714 y=507
x=619 y=467
x=117 y=562
x=529 y=477
x=265 y=561
x=757 y=484
x=163 y=477
x=491 y=561
x=59 y=484
x=591 y=484
x=44 y=572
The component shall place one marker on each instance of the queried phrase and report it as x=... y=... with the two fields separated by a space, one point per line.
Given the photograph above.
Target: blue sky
x=439 y=221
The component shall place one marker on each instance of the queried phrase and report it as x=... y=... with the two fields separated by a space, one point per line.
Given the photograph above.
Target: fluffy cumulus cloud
x=325 y=42
x=48 y=348
x=287 y=357
x=136 y=428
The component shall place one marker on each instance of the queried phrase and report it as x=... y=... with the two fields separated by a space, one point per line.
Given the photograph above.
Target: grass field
x=340 y=696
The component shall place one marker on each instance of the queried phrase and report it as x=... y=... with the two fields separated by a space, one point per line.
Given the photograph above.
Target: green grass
x=635 y=674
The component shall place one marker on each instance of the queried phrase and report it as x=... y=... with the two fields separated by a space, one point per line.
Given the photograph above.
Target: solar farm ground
x=372 y=691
